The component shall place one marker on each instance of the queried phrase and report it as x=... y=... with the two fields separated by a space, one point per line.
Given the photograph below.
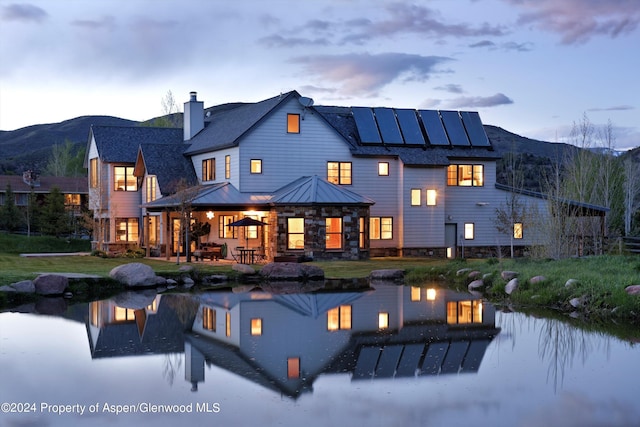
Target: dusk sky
x=533 y=67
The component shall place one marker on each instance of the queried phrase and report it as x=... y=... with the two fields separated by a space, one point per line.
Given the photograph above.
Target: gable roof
x=584 y=208
x=168 y=164
x=119 y=144
x=225 y=128
x=314 y=190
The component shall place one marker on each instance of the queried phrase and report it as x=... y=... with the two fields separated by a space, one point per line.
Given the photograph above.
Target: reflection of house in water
x=283 y=342
x=118 y=331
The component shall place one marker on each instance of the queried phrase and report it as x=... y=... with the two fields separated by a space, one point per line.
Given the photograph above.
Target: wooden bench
x=208 y=252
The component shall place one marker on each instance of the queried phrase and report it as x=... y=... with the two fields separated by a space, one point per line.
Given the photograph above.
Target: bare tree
x=631 y=193
x=513 y=211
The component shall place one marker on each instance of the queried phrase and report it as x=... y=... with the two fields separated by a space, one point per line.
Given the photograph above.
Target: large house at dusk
x=327 y=182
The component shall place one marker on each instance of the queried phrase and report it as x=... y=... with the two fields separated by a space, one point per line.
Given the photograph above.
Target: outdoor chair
x=235 y=254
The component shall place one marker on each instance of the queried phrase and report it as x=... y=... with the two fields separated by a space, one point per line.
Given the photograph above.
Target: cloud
x=614 y=108
x=24 y=12
x=364 y=74
x=451 y=88
x=577 y=21
x=520 y=47
x=288 y=42
x=473 y=101
x=483 y=43
x=107 y=22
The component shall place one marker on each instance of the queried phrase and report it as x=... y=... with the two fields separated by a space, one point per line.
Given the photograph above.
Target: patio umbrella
x=246 y=222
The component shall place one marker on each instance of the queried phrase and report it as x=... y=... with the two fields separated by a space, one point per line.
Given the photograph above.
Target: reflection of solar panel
x=388 y=126
x=433 y=359
x=389 y=361
x=433 y=126
x=410 y=126
x=366 y=124
x=409 y=360
x=455 y=130
x=474 y=355
x=454 y=357
x=367 y=361
x=473 y=124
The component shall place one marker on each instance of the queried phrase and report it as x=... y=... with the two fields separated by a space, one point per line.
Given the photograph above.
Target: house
x=327 y=182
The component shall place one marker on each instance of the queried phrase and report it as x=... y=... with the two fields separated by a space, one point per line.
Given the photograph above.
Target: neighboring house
x=328 y=182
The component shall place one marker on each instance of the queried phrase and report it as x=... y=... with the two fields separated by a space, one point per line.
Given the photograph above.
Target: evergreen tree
x=10 y=216
x=54 y=218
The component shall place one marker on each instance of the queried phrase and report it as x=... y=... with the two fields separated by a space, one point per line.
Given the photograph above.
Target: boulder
x=537 y=279
x=188 y=282
x=291 y=271
x=7 y=288
x=475 y=274
x=387 y=274
x=244 y=269
x=25 y=286
x=511 y=286
x=577 y=302
x=508 y=275
x=462 y=271
x=571 y=283
x=135 y=300
x=291 y=286
x=476 y=284
x=633 y=290
x=134 y=275
x=50 y=284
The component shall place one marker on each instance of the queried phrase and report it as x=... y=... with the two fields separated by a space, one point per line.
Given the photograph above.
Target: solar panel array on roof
x=454 y=127
x=475 y=130
x=410 y=127
x=366 y=124
x=388 y=126
x=434 y=128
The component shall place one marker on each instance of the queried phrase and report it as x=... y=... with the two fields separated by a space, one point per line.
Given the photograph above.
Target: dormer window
x=209 y=169
x=293 y=123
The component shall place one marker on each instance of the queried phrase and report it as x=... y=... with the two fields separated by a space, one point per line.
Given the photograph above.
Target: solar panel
x=366 y=124
x=475 y=130
x=388 y=126
x=455 y=130
x=410 y=127
x=433 y=126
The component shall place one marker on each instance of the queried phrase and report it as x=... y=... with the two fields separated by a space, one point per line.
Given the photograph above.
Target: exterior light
x=431 y=294
x=210 y=215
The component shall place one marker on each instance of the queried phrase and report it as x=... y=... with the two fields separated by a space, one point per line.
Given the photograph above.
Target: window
x=123 y=315
x=465 y=175
x=227 y=167
x=251 y=232
x=72 y=200
x=383 y=320
x=383 y=168
x=93 y=173
x=227 y=326
x=208 y=319
x=416 y=196
x=256 y=327
x=333 y=236
x=209 y=170
x=256 y=166
x=339 y=318
x=381 y=228
x=415 y=293
x=517 y=230
x=150 y=188
x=124 y=179
x=126 y=229
x=361 y=232
x=293 y=123
x=469 y=230
x=225 y=232
x=295 y=233
x=431 y=197
x=293 y=367
x=339 y=172
x=463 y=312
x=154 y=230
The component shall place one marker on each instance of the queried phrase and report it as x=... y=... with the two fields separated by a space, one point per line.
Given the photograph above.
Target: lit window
x=431 y=294
x=227 y=167
x=224 y=231
x=121 y=314
x=517 y=230
x=208 y=319
x=431 y=197
x=383 y=168
x=209 y=169
x=150 y=188
x=416 y=196
x=339 y=172
x=465 y=175
x=251 y=232
x=333 y=235
x=293 y=367
x=72 y=200
x=256 y=326
x=381 y=228
x=126 y=229
x=154 y=230
x=361 y=231
x=293 y=123
x=256 y=166
x=415 y=293
x=339 y=318
x=228 y=324
x=93 y=173
x=295 y=233
x=383 y=320
x=464 y=312
x=124 y=178
x=469 y=230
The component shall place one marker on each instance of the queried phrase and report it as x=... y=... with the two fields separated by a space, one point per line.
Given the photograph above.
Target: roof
x=168 y=164
x=119 y=144
x=225 y=128
x=66 y=185
x=314 y=190
x=583 y=206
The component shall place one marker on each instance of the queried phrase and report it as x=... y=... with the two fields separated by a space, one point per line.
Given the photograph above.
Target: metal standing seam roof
x=315 y=190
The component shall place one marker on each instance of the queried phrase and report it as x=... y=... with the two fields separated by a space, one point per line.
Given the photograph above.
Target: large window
x=293 y=123
x=126 y=229
x=150 y=188
x=295 y=233
x=463 y=312
x=93 y=173
x=339 y=318
x=333 y=233
x=124 y=179
x=465 y=175
x=209 y=169
x=381 y=228
x=225 y=232
x=339 y=172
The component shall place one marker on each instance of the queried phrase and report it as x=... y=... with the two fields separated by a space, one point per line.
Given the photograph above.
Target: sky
x=533 y=67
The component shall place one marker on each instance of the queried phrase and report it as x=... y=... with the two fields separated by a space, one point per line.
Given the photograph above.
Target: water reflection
x=283 y=342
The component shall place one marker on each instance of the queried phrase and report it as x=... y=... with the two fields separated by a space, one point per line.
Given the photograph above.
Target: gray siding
x=424 y=225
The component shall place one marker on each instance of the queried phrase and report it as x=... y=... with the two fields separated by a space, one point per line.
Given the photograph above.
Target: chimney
x=193 y=116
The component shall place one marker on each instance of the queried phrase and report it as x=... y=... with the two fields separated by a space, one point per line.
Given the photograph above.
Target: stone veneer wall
x=314 y=228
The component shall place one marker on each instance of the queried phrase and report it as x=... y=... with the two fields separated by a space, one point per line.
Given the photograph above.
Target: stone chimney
x=193 y=117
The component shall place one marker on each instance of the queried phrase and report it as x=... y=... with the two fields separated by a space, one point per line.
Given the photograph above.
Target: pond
x=389 y=356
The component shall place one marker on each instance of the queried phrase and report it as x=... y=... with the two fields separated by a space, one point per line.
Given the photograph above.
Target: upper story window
x=124 y=180
x=339 y=172
x=256 y=166
x=93 y=173
x=209 y=169
x=383 y=168
x=416 y=196
x=227 y=167
x=339 y=318
x=150 y=188
x=465 y=175
x=293 y=123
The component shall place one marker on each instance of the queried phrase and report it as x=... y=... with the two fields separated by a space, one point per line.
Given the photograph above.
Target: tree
x=513 y=211
x=54 y=218
x=631 y=188
x=169 y=110
x=10 y=215
x=63 y=162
